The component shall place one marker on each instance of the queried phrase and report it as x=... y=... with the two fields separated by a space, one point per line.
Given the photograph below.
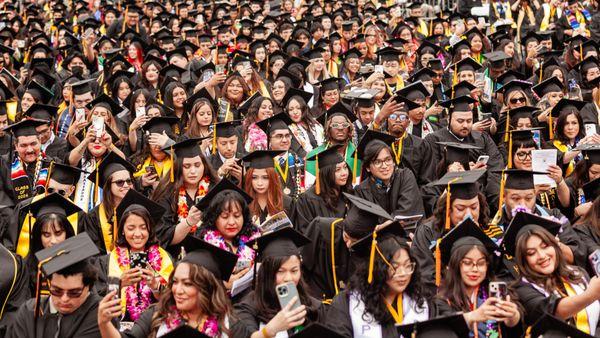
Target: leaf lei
x=182 y=208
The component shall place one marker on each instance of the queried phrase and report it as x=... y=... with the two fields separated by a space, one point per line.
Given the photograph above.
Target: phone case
x=285 y=293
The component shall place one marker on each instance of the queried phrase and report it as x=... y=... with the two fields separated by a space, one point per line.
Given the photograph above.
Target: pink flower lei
x=209 y=328
x=138 y=297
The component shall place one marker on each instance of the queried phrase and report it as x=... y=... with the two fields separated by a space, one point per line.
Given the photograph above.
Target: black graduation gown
x=5 y=145
x=287 y=208
x=248 y=319
x=421 y=249
x=90 y=223
x=13 y=286
x=339 y=320
x=59 y=148
x=82 y=323
x=8 y=197
x=590 y=237
x=310 y=205
x=316 y=258
x=295 y=175
x=402 y=198
x=410 y=156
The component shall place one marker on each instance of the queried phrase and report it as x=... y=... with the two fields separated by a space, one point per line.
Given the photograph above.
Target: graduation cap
x=587 y=64
x=160 y=124
x=172 y=71
x=69 y=252
x=408 y=104
x=423 y=74
x=294 y=80
x=519 y=179
x=226 y=129
x=497 y=59
x=461 y=104
x=40 y=91
x=282 y=242
x=550 y=85
x=363 y=216
x=508 y=76
x=531 y=36
x=82 y=87
x=339 y=108
x=325 y=158
x=352 y=53
x=316 y=330
x=563 y=106
x=521 y=224
x=53 y=203
x=118 y=75
x=62 y=173
x=591 y=152
x=134 y=198
x=292 y=92
x=435 y=64
x=463 y=88
x=514 y=85
x=347 y=25
x=106 y=102
x=388 y=54
x=549 y=326
x=428 y=47
x=279 y=121
x=296 y=60
x=414 y=91
x=25 y=127
x=109 y=165
x=467 y=233
x=261 y=159
x=591 y=190
x=42 y=112
x=185 y=149
x=369 y=137
x=219 y=262
x=449 y=327
x=466 y=64
x=458 y=152
x=332 y=83
x=223 y=185
x=185 y=331
x=460 y=45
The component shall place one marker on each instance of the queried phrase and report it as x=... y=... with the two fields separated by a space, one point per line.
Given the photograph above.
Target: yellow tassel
x=454 y=78
x=214 y=139
x=97 y=182
x=49 y=175
x=501 y=198
x=581 y=52
x=115 y=229
x=507 y=127
x=372 y=257
x=541 y=68
x=171 y=174
x=438 y=263
x=332 y=253
x=550 y=126
x=447 y=219
x=355 y=167
x=318 y=181
x=510 y=145
x=124 y=20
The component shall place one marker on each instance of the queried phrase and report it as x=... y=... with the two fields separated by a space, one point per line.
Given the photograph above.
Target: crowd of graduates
x=284 y=168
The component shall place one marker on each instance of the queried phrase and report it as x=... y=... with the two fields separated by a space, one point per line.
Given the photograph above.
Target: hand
x=357 y=83
x=235 y=276
x=543 y=117
x=131 y=277
x=435 y=109
x=138 y=122
x=152 y=280
x=508 y=312
x=583 y=209
x=217 y=79
x=455 y=167
x=287 y=318
x=149 y=180
x=478 y=165
x=485 y=312
x=236 y=171
x=90 y=136
x=109 y=308
x=390 y=106
x=372 y=78
x=106 y=140
x=555 y=173
x=194 y=216
x=482 y=126
x=76 y=127
x=158 y=140
x=540 y=188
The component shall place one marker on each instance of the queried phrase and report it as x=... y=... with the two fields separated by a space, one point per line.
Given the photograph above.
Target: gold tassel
x=510 y=145
x=372 y=257
x=501 y=198
x=214 y=138
x=581 y=52
x=447 y=219
x=171 y=174
x=438 y=263
x=124 y=21
x=550 y=126
x=454 y=78
x=318 y=181
x=115 y=229
x=507 y=127
x=541 y=68
x=355 y=167
x=49 y=174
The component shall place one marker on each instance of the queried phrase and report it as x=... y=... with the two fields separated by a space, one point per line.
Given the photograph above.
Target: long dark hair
x=264 y=293
x=581 y=174
x=143 y=213
x=371 y=152
x=193 y=129
x=143 y=82
x=252 y=115
x=114 y=89
x=134 y=95
x=108 y=200
x=453 y=288
x=439 y=213
x=562 y=121
x=226 y=201
x=372 y=294
x=306 y=115
x=330 y=192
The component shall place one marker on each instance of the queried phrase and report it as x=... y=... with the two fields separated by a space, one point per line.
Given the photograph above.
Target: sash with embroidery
x=22 y=186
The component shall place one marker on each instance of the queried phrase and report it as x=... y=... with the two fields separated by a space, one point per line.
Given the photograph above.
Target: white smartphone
x=79 y=114
x=590 y=129
x=379 y=69
x=98 y=125
x=140 y=111
x=285 y=293
x=483 y=159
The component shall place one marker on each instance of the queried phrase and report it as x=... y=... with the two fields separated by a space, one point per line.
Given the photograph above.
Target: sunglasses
x=59 y=191
x=518 y=100
x=121 y=183
x=73 y=293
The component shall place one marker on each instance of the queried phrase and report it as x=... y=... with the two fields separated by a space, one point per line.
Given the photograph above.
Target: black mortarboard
x=226 y=129
x=107 y=102
x=423 y=74
x=515 y=85
x=587 y=64
x=328 y=157
x=25 y=127
x=282 y=242
x=306 y=96
x=339 y=108
x=185 y=149
x=591 y=190
x=352 y=53
x=316 y=330
x=435 y=64
x=172 y=71
x=347 y=25
x=458 y=152
x=466 y=64
x=42 y=112
x=461 y=104
x=69 y=252
x=158 y=124
x=314 y=53
x=372 y=136
x=108 y=166
x=463 y=88
x=519 y=179
x=40 y=91
x=53 y=203
x=261 y=159
x=414 y=91
x=133 y=197
x=82 y=87
x=408 y=104
x=550 y=85
x=276 y=122
x=427 y=47
x=119 y=74
x=531 y=36
x=223 y=185
x=520 y=224
x=508 y=76
x=497 y=58
x=467 y=233
x=363 y=216
x=296 y=60
x=391 y=235
x=567 y=105
x=218 y=261
x=448 y=327
x=329 y=84
x=460 y=45
x=591 y=152
x=389 y=54
x=62 y=173
x=549 y=326
x=295 y=81
x=463 y=184
x=522 y=112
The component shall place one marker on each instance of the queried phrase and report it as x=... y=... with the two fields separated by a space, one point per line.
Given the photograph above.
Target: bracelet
x=187 y=223
x=264 y=332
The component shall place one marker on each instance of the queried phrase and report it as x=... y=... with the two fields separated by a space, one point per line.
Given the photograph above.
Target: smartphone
x=151 y=170
x=379 y=69
x=79 y=114
x=366 y=69
x=220 y=68
x=140 y=111
x=285 y=292
x=206 y=75
x=590 y=129
x=498 y=290
x=138 y=260
x=479 y=77
x=223 y=107
x=241 y=265
x=595 y=261
x=21 y=43
x=98 y=125
x=483 y=159
x=114 y=284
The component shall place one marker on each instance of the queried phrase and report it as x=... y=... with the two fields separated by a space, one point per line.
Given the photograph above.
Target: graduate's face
x=52 y=234
x=366 y=114
x=179 y=97
x=571 y=129
x=230 y=221
x=136 y=232
x=260 y=181
x=28 y=148
x=341 y=174
x=400 y=275
x=124 y=90
x=331 y=97
x=45 y=132
x=289 y=271
x=265 y=110
x=467 y=75
x=27 y=101
x=184 y=292
x=3 y=124
x=524 y=123
x=461 y=123
x=204 y=115
x=60 y=284
x=382 y=167
x=594 y=171
x=339 y=129
x=117 y=189
x=281 y=139
x=523 y=198
x=235 y=91
x=192 y=170
x=554 y=97
x=540 y=256
x=157 y=153
x=97 y=148
x=462 y=208
x=227 y=146
x=522 y=158
x=295 y=111
x=473 y=268
x=278 y=90
x=592 y=73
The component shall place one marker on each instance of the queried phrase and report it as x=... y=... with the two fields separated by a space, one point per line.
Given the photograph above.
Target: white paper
x=244 y=282
x=407 y=220
x=540 y=161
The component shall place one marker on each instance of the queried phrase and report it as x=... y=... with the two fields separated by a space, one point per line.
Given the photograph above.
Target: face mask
x=77 y=70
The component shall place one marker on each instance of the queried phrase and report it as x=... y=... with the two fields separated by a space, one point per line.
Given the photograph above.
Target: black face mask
x=77 y=70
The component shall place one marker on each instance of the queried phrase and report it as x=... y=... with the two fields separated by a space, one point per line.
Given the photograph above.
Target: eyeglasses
x=400 y=117
x=280 y=137
x=121 y=183
x=379 y=163
x=523 y=155
x=518 y=100
x=342 y=125
x=469 y=264
x=404 y=270
x=59 y=191
x=73 y=293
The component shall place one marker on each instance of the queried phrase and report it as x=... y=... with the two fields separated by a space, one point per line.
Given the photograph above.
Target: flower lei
x=244 y=252
x=257 y=139
x=137 y=299
x=210 y=326
x=182 y=207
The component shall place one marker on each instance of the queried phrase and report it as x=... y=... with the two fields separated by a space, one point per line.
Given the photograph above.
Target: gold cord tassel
x=510 y=157
x=372 y=257
x=171 y=173
x=438 y=263
x=318 y=181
